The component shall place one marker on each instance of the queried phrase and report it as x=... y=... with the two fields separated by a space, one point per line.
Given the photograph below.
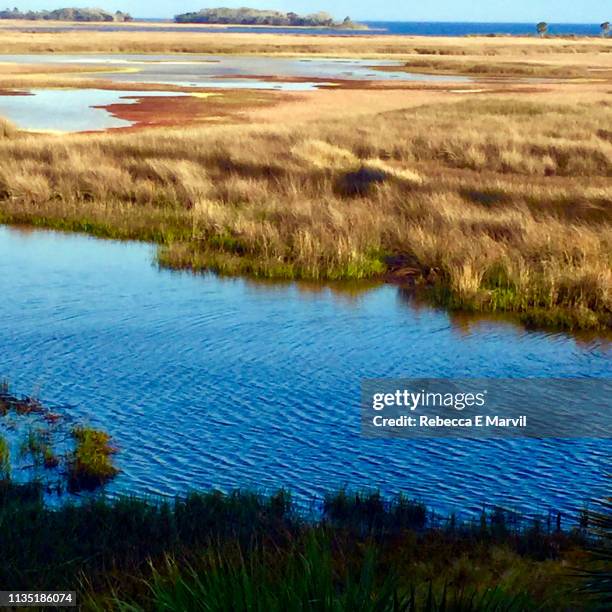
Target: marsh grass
x=244 y=551
x=38 y=446
x=499 y=204
x=495 y=68
x=90 y=465
x=7 y=129
x=310 y=581
x=86 y=462
x=180 y=41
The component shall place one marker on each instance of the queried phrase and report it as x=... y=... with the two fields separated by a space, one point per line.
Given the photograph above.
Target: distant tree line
x=248 y=16
x=66 y=14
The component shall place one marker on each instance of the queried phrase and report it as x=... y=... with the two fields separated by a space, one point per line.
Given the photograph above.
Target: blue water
x=377 y=28
x=208 y=382
x=466 y=29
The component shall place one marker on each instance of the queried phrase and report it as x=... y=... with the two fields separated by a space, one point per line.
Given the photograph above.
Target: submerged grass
x=38 y=447
x=243 y=551
x=490 y=204
x=86 y=463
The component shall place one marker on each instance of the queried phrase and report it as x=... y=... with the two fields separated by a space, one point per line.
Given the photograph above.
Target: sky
x=526 y=11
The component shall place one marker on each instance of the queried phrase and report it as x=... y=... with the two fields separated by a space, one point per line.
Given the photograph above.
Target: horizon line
x=404 y=21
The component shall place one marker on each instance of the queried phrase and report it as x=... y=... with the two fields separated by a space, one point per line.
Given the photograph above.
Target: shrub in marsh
x=90 y=464
x=360 y=182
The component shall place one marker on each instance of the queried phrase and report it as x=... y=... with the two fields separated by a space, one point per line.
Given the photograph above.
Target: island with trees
x=257 y=17
x=66 y=14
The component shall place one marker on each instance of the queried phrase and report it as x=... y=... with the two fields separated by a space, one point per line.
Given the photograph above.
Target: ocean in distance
x=409 y=28
x=377 y=28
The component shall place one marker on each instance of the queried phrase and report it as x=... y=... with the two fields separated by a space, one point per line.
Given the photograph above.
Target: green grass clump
x=90 y=465
x=236 y=262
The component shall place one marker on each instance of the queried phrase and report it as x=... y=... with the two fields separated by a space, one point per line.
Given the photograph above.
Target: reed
x=245 y=551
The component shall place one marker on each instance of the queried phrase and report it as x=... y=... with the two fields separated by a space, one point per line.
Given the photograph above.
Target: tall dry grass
x=7 y=129
x=488 y=204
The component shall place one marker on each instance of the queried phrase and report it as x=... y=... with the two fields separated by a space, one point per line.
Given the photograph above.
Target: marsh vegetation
x=42 y=445
x=244 y=551
x=485 y=204
x=558 y=50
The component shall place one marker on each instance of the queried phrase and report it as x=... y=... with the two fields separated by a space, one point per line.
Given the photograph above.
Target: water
x=468 y=29
x=69 y=110
x=377 y=28
x=194 y=70
x=208 y=382
x=74 y=110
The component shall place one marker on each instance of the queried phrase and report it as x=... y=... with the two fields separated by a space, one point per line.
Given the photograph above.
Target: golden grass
x=179 y=41
x=484 y=67
x=487 y=204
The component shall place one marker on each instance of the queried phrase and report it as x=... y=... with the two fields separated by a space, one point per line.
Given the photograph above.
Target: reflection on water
x=211 y=70
x=209 y=382
x=73 y=110
x=69 y=110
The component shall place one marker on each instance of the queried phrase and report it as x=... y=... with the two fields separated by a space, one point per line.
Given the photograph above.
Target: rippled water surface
x=208 y=382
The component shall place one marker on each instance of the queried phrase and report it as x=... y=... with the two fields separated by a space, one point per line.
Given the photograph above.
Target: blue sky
x=553 y=11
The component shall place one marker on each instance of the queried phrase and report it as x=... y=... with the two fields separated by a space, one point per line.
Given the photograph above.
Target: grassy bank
x=486 y=204
x=248 y=552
